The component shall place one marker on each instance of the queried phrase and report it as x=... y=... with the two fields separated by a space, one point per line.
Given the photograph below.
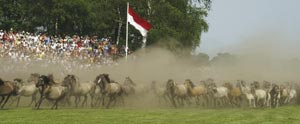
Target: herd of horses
x=106 y=92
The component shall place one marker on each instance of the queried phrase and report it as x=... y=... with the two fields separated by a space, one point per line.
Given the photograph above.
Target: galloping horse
x=7 y=89
x=29 y=89
x=246 y=90
x=128 y=86
x=50 y=91
x=195 y=91
x=78 y=89
x=177 y=92
x=235 y=94
x=110 y=88
x=260 y=95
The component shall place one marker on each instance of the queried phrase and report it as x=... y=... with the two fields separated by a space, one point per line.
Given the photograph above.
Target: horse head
x=34 y=77
x=267 y=85
x=18 y=80
x=170 y=84
x=67 y=81
x=128 y=81
x=189 y=83
x=101 y=81
x=228 y=85
x=275 y=88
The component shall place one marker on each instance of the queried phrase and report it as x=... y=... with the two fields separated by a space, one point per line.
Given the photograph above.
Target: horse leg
x=33 y=99
x=84 y=101
x=5 y=101
x=18 y=100
x=55 y=104
x=3 y=97
x=39 y=102
x=173 y=101
x=123 y=101
x=111 y=97
x=92 y=100
x=103 y=97
x=76 y=101
x=115 y=100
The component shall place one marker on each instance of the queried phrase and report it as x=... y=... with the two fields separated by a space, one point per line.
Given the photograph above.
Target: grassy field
x=282 y=115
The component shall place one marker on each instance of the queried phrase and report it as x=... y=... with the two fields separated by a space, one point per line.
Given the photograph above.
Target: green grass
x=282 y=115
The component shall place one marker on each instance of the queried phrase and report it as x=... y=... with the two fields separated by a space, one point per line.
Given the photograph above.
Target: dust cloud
x=258 y=58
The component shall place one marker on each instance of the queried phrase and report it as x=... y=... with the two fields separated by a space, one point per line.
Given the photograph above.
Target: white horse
x=95 y=95
x=221 y=95
x=292 y=96
x=26 y=90
x=78 y=89
x=247 y=92
x=260 y=95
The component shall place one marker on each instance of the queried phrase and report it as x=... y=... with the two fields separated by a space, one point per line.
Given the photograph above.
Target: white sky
x=232 y=22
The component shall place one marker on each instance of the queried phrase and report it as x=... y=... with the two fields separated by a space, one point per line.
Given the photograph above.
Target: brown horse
x=199 y=92
x=177 y=92
x=7 y=89
x=110 y=88
x=234 y=94
x=50 y=91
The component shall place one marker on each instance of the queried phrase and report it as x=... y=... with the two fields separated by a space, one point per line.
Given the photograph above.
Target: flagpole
x=126 y=47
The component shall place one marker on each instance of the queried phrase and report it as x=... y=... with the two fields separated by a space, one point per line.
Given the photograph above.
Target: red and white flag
x=139 y=23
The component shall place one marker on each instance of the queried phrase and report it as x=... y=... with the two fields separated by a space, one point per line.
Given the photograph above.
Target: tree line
x=176 y=23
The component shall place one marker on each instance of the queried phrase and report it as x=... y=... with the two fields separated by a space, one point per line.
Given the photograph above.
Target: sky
x=242 y=25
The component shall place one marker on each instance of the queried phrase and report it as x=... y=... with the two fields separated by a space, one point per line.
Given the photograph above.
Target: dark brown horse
x=7 y=89
x=109 y=88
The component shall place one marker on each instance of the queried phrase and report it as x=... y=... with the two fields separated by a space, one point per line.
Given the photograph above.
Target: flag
x=139 y=23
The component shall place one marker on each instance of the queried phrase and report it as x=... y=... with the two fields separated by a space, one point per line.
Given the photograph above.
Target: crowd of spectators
x=82 y=50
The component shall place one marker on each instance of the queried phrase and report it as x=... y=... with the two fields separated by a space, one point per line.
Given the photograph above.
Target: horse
x=78 y=89
x=246 y=90
x=109 y=88
x=268 y=86
x=260 y=95
x=196 y=91
x=158 y=91
x=220 y=95
x=287 y=94
x=275 y=96
x=95 y=95
x=128 y=86
x=28 y=89
x=177 y=92
x=50 y=91
x=7 y=89
x=235 y=94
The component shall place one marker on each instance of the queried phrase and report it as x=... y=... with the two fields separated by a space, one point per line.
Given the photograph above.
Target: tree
x=177 y=24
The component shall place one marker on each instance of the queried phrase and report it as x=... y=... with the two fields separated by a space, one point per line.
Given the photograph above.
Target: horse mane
x=107 y=77
x=190 y=82
x=1 y=81
x=130 y=81
x=19 y=80
x=35 y=74
x=46 y=79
